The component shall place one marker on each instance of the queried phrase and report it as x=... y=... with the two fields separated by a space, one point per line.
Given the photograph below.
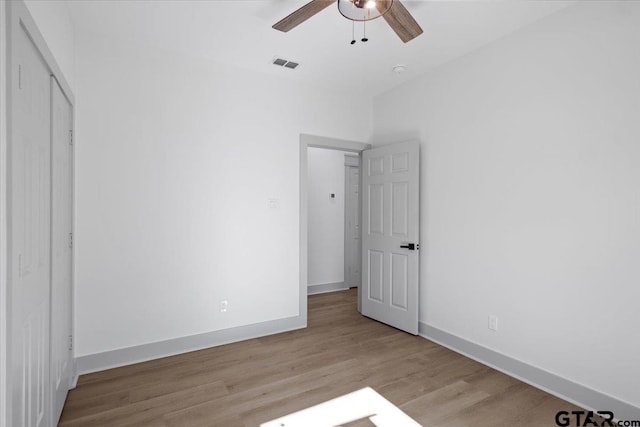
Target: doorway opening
x=333 y=220
x=340 y=148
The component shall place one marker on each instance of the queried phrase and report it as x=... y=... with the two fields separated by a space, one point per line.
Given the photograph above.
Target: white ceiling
x=239 y=32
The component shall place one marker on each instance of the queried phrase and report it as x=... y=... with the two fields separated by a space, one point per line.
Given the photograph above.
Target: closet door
x=61 y=242
x=29 y=234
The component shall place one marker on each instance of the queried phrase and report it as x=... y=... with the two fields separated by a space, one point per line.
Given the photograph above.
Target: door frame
x=350 y=161
x=4 y=294
x=14 y=14
x=315 y=141
x=73 y=371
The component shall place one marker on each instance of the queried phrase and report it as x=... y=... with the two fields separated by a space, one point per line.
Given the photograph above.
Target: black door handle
x=410 y=246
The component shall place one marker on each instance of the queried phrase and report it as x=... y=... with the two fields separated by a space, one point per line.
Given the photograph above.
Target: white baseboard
x=74 y=374
x=551 y=383
x=74 y=382
x=141 y=353
x=326 y=287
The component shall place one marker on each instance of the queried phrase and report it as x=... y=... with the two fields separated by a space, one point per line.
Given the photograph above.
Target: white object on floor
x=362 y=404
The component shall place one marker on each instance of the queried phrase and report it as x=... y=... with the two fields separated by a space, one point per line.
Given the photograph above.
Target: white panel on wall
x=530 y=193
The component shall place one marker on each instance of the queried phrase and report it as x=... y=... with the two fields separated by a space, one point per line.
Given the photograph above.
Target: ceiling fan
x=394 y=12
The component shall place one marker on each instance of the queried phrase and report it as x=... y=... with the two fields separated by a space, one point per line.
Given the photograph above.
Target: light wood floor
x=250 y=382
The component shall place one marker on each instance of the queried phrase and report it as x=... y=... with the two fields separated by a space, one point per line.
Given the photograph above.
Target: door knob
x=410 y=246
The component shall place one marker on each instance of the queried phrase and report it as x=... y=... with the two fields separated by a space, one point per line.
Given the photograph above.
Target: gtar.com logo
x=584 y=418
x=591 y=418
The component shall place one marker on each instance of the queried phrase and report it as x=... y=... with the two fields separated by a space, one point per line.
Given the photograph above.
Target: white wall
x=177 y=159
x=325 y=216
x=54 y=22
x=530 y=202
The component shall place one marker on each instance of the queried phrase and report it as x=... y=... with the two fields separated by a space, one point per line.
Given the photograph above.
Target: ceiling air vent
x=284 y=63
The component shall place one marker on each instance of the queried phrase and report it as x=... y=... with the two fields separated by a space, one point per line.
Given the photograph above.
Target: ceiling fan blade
x=401 y=21
x=302 y=14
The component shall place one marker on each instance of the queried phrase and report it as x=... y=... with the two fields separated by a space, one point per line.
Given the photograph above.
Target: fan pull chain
x=364 y=32
x=353 y=32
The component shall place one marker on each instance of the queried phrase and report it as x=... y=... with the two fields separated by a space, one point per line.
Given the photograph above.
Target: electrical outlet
x=493 y=322
x=224 y=305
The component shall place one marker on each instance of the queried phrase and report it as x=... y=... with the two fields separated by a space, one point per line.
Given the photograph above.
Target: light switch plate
x=273 y=203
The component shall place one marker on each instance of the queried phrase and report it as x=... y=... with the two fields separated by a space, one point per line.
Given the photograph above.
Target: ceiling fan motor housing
x=363 y=10
x=395 y=14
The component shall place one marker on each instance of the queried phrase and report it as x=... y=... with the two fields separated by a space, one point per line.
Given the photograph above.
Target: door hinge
x=71 y=137
x=70 y=342
x=70 y=240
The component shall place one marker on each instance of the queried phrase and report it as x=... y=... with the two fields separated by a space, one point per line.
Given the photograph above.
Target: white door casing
x=352 y=226
x=390 y=272
x=29 y=234
x=61 y=242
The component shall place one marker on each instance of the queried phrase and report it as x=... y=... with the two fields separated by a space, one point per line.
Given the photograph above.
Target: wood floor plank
x=444 y=402
x=288 y=389
x=248 y=383
x=149 y=412
x=82 y=407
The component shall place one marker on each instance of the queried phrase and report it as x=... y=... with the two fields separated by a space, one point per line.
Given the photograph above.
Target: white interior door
x=29 y=234
x=61 y=240
x=352 y=227
x=390 y=233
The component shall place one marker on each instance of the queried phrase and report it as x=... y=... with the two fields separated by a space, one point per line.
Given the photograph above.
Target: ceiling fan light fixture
x=363 y=10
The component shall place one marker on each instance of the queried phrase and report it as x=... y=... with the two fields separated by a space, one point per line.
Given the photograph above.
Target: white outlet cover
x=493 y=323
